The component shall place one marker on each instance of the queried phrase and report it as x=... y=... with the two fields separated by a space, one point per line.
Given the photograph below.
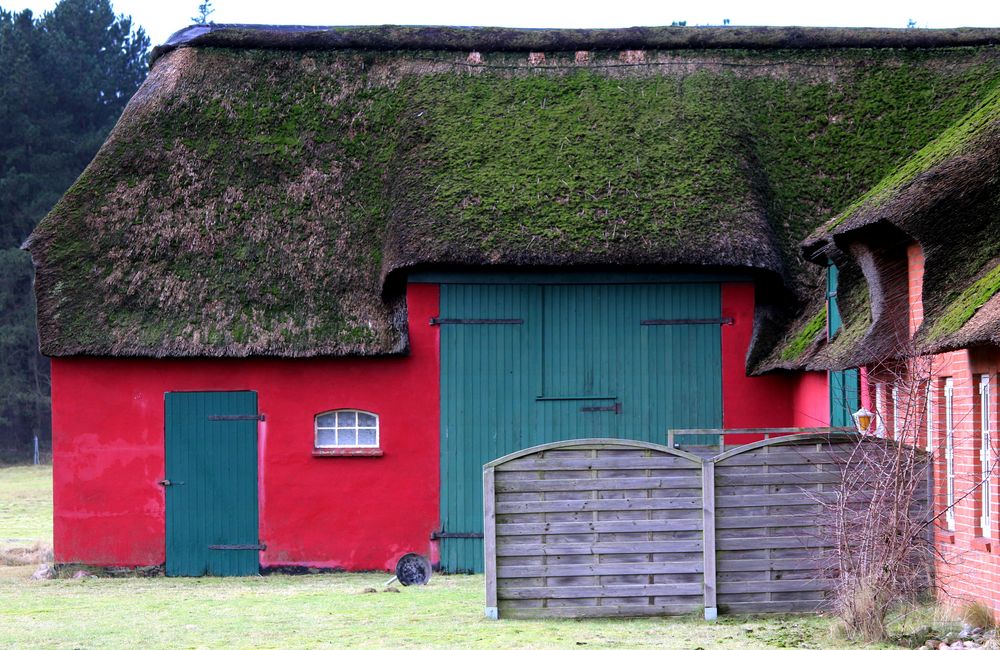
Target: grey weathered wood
x=598 y=548
x=612 y=462
x=601 y=591
x=490 y=541
x=677 y=503
x=708 y=536
x=622 y=483
x=609 y=528
x=605 y=526
x=599 y=611
x=606 y=569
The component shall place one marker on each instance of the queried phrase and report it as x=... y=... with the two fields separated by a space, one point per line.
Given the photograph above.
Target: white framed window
x=985 y=457
x=347 y=429
x=949 y=452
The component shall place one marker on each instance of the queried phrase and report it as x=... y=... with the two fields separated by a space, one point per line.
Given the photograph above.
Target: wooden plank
x=590 y=505
x=600 y=611
x=533 y=463
x=785 y=478
x=603 y=569
x=709 y=535
x=490 y=540
x=791 y=498
x=748 y=543
x=623 y=483
x=777 y=607
x=601 y=591
x=597 y=548
x=726 y=565
x=771 y=521
x=602 y=526
x=775 y=586
x=759 y=459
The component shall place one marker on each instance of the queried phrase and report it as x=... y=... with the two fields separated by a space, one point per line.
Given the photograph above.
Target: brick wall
x=969 y=566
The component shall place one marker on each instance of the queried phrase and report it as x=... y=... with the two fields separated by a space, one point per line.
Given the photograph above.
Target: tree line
x=65 y=77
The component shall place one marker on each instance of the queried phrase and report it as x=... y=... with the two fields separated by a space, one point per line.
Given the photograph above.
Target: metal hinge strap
x=477 y=321
x=687 y=321
x=259 y=417
x=237 y=547
x=440 y=534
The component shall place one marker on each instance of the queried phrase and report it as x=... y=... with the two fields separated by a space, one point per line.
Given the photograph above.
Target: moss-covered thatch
x=946 y=197
x=257 y=198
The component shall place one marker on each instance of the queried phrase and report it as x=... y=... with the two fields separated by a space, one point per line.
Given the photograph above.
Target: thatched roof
x=266 y=190
x=946 y=197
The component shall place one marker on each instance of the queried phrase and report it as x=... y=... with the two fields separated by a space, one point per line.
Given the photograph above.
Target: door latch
x=167 y=482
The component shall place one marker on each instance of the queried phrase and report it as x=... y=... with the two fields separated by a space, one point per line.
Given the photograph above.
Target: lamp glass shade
x=863 y=419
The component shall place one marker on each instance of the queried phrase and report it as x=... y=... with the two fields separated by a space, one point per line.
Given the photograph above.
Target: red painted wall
x=780 y=399
x=354 y=513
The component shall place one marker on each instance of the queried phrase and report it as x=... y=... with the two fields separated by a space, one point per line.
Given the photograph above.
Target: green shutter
x=565 y=361
x=844 y=397
x=833 y=321
x=211 y=499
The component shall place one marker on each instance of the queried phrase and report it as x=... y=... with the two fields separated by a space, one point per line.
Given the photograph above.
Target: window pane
x=325 y=438
x=347 y=437
x=326 y=420
x=366 y=437
x=366 y=420
x=347 y=419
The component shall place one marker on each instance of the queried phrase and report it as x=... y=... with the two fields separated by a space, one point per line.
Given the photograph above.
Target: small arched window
x=347 y=429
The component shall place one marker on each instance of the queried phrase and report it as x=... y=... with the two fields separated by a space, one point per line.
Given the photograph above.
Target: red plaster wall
x=354 y=513
x=773 y=400
x=811 y=400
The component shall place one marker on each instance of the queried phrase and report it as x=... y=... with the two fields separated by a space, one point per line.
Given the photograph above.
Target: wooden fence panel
x=595 y=528
x=605 y=527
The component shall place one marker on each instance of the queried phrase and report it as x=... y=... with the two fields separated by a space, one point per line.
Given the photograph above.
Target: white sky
x=161 y=18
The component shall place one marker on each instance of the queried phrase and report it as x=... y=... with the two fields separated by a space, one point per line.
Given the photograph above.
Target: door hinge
x=615 y=408
x=440 y=534
x=259 y=417
x=477 y=321
x=237 y=547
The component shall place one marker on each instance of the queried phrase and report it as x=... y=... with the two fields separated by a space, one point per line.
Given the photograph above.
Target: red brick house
x=316 y=278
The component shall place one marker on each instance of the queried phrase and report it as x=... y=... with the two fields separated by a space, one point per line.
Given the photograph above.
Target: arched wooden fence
x=608 y=527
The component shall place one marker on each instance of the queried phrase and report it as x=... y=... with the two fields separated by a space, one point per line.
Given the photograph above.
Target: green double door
x=211 y=484
x=526 y=364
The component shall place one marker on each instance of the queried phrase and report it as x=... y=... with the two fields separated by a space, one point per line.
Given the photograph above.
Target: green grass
x=330 y=610
x=26 y=503
x=333 y=610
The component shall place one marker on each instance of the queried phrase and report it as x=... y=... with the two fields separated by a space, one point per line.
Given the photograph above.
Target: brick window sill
x=982 y=544
x=946 y=537
x=347 y=453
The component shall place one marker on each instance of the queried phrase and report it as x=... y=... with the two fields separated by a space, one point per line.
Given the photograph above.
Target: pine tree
x=65 y=79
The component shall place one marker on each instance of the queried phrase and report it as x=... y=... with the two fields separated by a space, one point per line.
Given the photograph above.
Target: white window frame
x=985 y=459
x=337 y=429
x=930 y=416
x=895 y=411
x=949 y=452
x=879 y=407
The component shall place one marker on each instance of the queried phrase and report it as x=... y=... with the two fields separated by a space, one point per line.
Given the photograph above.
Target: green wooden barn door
x=211 y=484
x=526 y=364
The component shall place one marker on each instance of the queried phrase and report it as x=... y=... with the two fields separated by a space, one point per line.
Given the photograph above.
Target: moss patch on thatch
x=254 y=201
x=966 y=304
x=805 y=336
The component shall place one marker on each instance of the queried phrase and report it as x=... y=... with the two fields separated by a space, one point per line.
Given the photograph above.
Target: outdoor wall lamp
x=863 y=419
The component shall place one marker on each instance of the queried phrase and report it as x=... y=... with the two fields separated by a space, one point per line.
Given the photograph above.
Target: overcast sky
x=162 y=18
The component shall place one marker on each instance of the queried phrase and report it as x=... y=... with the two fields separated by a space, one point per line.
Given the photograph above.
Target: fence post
x=708 y=542
x=36 y=451
x=490 y=542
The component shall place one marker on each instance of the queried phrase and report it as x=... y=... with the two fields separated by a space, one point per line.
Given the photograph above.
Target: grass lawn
x=330 y=610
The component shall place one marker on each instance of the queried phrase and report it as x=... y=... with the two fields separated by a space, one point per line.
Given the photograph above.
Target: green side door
x=211 y=484
x=526 y=364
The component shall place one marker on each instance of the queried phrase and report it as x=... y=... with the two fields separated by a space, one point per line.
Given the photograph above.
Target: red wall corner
x=351 y=513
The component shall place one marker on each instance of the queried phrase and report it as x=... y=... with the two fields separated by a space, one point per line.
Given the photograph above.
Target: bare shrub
x=880 y=518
